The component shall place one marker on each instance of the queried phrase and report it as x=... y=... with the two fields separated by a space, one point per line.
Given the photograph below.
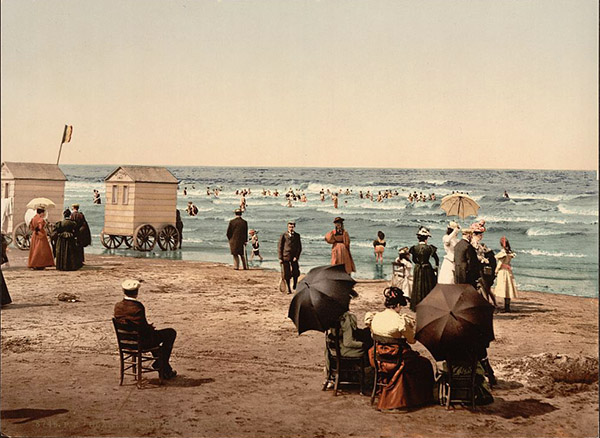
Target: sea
x=550 y=217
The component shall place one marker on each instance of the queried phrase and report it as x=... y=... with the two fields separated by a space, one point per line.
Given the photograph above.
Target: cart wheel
x=168 y=238
x=22 y=236
x=128 y=241
x=110 y=241
x=144 y=237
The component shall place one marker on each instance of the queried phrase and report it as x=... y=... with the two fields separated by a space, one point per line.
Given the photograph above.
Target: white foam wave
x=543 y=196
x=498 y=219
x=579 y=211
x=539 y=231
x=539 y=252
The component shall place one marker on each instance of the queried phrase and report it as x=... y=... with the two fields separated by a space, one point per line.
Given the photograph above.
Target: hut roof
x=42 y=171
x=150 y=174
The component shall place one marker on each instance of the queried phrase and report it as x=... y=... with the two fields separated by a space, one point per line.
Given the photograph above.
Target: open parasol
x=454 y=321
x=323 y=296
x=40 y=203
x=459 y=204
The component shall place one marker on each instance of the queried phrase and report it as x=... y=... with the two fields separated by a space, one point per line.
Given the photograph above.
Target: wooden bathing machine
x=140 y=208
x=24 y=181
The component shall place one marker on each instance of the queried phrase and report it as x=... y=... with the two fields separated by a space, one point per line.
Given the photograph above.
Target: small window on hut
x=115 y=194
x=125 y=195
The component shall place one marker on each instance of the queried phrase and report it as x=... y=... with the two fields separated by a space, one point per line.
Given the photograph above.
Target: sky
x=509 y=84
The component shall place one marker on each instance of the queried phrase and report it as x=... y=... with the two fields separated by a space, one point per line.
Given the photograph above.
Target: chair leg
x=139 y=370
x=338 y=364
x=121 y=361
x=374 y=386
x=362 y=378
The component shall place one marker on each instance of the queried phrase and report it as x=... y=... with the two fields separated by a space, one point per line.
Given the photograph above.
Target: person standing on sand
x=84 y=236
x=237 y=234
x=340 y=250
x=506 y=286
x=6 y=299
x=467 y=268
x=424 y=276
x=131 y=311
x=450 y=240
x=40 y=253
x=289 y=250
x=179 y=226
x=67 y=252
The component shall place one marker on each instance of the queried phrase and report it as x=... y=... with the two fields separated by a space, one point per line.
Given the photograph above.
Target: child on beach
x=255 y=245
x=402 y=277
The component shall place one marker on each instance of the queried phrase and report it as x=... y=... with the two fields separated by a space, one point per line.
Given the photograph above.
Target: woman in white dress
x=403 y=275
x=450 y=240
x=506 y=286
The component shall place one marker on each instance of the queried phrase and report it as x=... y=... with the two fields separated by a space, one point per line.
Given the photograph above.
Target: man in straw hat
x=237 y=234
x=131 y=311
x=288 y=250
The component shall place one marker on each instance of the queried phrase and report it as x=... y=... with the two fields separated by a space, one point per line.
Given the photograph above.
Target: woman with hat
x=403 y=271
x=450 y=240
x=67 y=253
x=424 y=278
x=340 y=250
x=506 y=286
x=410 y=379
x=40 y=253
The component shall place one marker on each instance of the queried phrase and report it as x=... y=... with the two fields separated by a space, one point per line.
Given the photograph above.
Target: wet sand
x=244 y=371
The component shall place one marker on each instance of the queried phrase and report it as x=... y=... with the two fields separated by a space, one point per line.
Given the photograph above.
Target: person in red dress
x=40 y=252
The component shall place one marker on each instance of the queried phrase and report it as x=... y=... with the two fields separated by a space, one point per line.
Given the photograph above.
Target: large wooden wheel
x=168 y=238
x=22 y=236
x=110 y=241
x=128 y=241
x=144 y=237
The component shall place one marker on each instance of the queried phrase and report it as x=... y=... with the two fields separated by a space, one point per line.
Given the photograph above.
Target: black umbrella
x=321 y=298
x=454 y=321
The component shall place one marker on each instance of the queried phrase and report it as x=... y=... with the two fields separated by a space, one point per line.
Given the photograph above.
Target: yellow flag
x=67 y=134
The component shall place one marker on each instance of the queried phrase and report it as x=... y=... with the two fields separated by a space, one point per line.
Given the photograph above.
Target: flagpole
x=59 y=151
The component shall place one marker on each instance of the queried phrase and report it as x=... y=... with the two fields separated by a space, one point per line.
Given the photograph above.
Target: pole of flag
x=65 y=139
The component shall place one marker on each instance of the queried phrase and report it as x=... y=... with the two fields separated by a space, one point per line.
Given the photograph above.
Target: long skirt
x=446 y=272
x=40 y=253
x=68 y=257
x=506 y=287
x=408 y=385
x=6 y=299
x=424 y=280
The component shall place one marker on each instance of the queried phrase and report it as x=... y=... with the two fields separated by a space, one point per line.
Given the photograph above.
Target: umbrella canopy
x=322 y=297
x=458 y=204
x=453 y=321
x=40 y=203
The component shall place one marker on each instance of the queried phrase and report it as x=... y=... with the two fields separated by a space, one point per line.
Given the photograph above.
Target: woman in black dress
x=424 y=276
x=68 y=256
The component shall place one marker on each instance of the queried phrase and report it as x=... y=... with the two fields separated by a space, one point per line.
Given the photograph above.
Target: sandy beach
x=245 y=372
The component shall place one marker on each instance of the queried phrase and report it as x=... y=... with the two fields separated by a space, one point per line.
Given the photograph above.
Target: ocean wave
x=577 y=210
x=540 y=231
x=539 y=252
x=492 y=219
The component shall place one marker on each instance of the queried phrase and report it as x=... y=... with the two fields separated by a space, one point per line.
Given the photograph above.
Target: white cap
x=130 y=285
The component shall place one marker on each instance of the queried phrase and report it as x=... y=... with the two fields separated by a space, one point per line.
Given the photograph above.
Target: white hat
x=423 y=232
x=130 y=285
x=453 y=224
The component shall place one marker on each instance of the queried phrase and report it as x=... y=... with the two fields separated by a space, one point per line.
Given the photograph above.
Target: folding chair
x=341 y=368
x=134 y=359
x=454 y=388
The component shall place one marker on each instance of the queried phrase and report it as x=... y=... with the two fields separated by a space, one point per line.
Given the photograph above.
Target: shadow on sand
x=520 y=310
x=25 y=305
x=520 y=408
x=29 y=414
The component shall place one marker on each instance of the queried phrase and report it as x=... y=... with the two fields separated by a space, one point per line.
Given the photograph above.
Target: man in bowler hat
x=237 y=233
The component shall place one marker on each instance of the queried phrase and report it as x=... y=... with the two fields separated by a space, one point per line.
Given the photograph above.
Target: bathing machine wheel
x=144 y=237
x=110 y=241
x=168 y=238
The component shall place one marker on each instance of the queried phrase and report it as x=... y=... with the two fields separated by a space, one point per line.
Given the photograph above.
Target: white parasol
x=459 y=204
x=40 y=203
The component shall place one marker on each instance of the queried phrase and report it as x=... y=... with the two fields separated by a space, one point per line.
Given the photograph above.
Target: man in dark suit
x=131 y=311
x=289 y=250
x=237 y=233
x=84 y=236
x=467 y=269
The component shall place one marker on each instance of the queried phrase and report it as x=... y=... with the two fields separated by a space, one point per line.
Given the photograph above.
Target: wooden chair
x=342 y=367
x=457 y=388
x=380 y=379
x=135 y=360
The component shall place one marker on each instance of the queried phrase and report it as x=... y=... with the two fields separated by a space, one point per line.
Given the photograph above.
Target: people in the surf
x=379 y=247
x=97 y=199
x=506 y=195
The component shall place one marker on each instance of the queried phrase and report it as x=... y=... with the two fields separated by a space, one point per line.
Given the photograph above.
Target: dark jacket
x=134 y=313
x=84 y=236
x=467 y=268
x=289 y=247
x=237 y=233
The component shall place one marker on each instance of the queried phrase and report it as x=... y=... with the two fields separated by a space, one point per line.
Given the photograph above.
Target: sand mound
x=553 y=374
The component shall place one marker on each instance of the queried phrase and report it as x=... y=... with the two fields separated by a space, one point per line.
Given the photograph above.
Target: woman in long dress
x=403 y=274
x=409 y=383
x=67 y=254
x=40 y=253
x=6 y=299
x=424 y=278
x=340 y=250
x=506 y=286
x=450 y=240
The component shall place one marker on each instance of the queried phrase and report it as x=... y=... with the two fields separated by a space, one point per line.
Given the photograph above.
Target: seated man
x=131 y=311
